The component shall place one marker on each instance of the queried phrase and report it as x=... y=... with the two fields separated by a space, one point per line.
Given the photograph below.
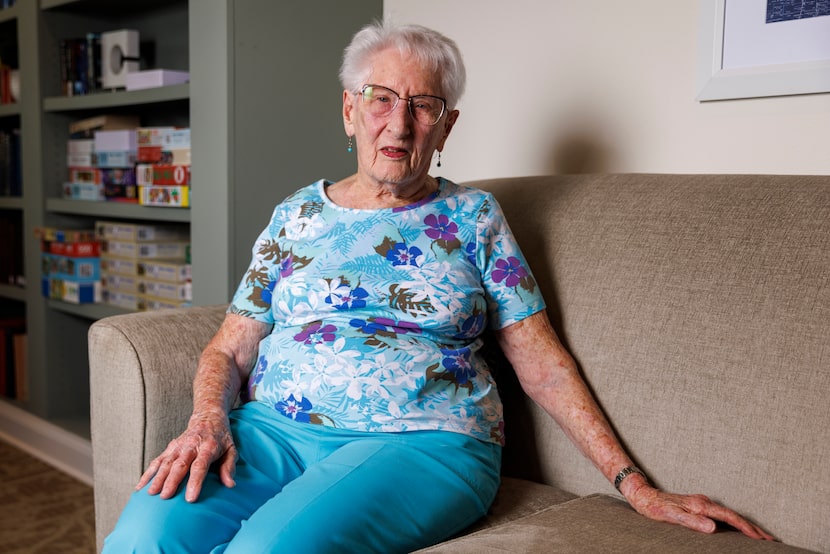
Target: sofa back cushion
x=698 y=310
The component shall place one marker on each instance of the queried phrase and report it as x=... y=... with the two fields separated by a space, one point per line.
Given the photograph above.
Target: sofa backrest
x=698 y=310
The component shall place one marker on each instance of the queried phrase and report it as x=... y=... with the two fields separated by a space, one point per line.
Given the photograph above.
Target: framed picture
x=757 y=48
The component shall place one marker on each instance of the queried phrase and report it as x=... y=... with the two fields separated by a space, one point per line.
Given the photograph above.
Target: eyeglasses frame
x=362 y=93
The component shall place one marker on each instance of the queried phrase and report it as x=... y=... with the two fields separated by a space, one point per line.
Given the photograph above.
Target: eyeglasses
x=424 y=108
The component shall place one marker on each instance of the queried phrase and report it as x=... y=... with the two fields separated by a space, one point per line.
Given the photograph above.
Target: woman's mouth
x=394 y=153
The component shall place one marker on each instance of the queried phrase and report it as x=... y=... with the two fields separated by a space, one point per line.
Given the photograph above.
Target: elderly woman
x=370 y=423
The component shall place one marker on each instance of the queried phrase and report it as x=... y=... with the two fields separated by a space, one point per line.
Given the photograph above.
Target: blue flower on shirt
x=472 y=326
x=400 y=254
x=298 y=410
x=458 y=369
x=267 y=294
x=471 y=252
x=348 y=299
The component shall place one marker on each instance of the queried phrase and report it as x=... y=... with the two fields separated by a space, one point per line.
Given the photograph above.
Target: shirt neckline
x=438 y=193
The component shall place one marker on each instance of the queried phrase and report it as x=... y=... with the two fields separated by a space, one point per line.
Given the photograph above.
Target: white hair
x=431 y=49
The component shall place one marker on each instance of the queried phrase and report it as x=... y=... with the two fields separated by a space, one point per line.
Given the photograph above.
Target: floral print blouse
x=377 y=314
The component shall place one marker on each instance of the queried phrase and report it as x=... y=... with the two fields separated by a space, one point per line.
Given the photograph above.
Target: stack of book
x=71 y=265
x=145 y=267
x=80 y=60
x=163 y=170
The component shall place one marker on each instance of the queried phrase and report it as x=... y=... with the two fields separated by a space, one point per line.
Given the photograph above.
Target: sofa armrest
x=141 y=369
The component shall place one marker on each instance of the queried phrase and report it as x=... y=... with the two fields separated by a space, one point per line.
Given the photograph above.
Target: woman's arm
x=549 y=375
x=223 y=367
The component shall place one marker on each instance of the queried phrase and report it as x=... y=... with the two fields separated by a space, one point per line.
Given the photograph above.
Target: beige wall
x=570 y=86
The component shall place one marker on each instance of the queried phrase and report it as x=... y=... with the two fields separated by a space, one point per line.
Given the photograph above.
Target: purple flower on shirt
x=510 y=271
x=385 y=327
x=286 y=266
x=298 y=410
x=316 y=333
x=400 y=254
x=440 y=227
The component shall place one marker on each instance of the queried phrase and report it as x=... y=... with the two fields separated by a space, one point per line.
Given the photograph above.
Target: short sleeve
x=253 y=296
x=510 y=288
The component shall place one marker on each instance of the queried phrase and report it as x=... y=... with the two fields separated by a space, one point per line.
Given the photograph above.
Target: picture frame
x=717 y=82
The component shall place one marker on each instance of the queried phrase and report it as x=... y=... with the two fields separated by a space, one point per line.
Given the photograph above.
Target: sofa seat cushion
x=599 y=523
x=518 y=498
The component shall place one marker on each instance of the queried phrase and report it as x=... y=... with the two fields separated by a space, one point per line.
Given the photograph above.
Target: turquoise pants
x=314 y=489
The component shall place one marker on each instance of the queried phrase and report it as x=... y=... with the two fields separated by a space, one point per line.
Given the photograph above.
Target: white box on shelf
x=152 y=78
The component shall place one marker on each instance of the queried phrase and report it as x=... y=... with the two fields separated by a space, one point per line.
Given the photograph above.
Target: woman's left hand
x=696 y=511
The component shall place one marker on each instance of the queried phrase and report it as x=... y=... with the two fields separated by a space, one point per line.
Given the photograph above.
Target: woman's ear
x=348 y=113
x=452 y=117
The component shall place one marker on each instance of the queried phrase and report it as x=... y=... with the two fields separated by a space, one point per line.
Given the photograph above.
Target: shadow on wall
x=578 y=146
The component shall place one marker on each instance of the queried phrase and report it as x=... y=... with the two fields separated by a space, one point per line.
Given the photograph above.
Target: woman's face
x=395 y=149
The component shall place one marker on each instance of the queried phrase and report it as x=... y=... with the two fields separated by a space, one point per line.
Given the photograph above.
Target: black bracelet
x=625 y=472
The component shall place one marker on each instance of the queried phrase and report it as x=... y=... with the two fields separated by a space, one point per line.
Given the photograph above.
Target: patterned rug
x=43 y=510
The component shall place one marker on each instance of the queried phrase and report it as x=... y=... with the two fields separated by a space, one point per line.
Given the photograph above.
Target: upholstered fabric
x=698 y=309
x=599 y=523
x=141 y=374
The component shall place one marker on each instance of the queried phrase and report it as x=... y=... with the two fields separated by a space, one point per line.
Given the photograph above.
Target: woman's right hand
x=207 y=440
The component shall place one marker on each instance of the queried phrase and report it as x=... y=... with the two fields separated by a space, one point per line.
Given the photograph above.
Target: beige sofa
x=698 y=309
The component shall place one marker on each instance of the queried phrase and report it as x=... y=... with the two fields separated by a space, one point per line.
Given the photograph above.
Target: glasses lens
x=380 y=101
x=426 y=109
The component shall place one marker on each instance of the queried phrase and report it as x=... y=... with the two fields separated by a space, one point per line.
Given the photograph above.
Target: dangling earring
x=439 y=159
x=349 y=145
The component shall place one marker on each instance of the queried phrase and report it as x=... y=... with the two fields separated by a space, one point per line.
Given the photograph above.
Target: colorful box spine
x=84 y=191
x=74 y=292
x=71 y=267
x=124 y=231
x=114 y=158
x=164 y=196
x=146 y=250
x=168 y=291
x=65 y=235
x=162 y=174
x=169 y=271
x=103 y=176
x=159 y=155
x=75 y=249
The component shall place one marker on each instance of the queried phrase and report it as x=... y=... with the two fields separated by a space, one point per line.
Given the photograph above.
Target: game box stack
x=163 y=170
x=71 y=265
x=101 y=155
x=145 y=267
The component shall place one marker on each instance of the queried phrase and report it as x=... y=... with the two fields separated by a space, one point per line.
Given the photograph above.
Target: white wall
x=576 y=86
